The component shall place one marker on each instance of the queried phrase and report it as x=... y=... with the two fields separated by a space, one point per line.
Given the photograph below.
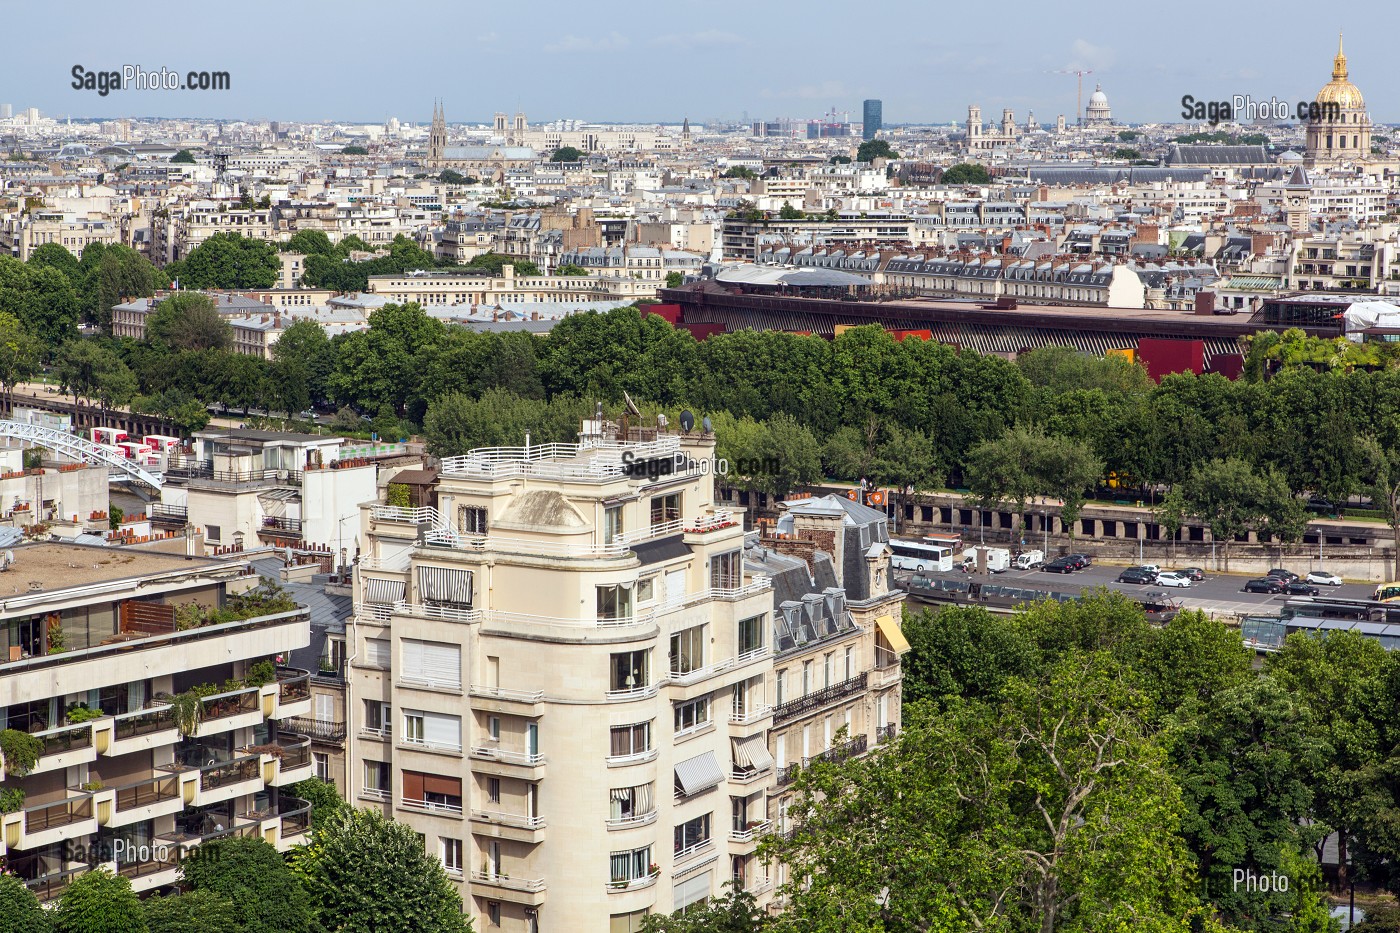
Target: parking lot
x=1217 y=592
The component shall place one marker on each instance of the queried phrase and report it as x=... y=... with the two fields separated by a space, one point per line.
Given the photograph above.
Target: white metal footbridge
x=77 y=448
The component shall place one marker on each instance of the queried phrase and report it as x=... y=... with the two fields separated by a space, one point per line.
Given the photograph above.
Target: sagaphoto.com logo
x=134 y=77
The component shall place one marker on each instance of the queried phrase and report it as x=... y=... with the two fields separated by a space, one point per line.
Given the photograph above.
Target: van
x=983 y=559
x=1029 y=560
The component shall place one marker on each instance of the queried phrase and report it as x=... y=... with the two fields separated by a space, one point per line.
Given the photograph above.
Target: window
x=435 y=730
x=377 y=717
x=493 y=913
x=727 y=571
x=450 y=850
x=692 y=893
x=493 y=790
x=213 y=533
x=629 y=803
x=806 y=677
x=629 y=671
x=692 y=715
x=751 y=634
x=433 y=791
x=826 y=670
x=627 y=923
x=471 y=519
x=333 y=656
x=615 y=602
x=780 y=750
x=377 y=653
x=665 y=509
x=692 y=835
x=779 y=683
x=630 y=865
x=413 y=728
x=688 y=650
x=433 y=664
x=447 y=587
x=646 y=590
x=850 y=663
x=377 y=778
x=321 y=765
x=630 y=740
x=612 y=524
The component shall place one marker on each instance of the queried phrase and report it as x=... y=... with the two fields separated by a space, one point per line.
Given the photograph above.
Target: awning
x=384 y=591
x=699 y=773
x=663 y=549
x=752 y=753
x=445 y=585
x=890 y=629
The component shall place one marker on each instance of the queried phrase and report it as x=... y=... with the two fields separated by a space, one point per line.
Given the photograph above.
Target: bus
x=1387 y=593
x=921 y=556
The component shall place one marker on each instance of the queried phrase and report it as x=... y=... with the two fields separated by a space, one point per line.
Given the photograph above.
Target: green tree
x=873 y=149
x=325 y=800
x=494 y=263
x=204 y=911
x=1002 y=472
x=184 y=155
x=250 y=873
x=1128 y=136
x=907 y=460
x=89 y=370
x=448 y=177
x=1381 y=483
x=56 y=256
x=787 y=456
x=354 y=151
x=189 y=321
x=20 y=911
x=962 y=652
x=566 y=154
x=966 y=173
x=788 y=212
x=229 y=261
x=456 y=423
x=570 y=268
x=739 y=171
x=310 y=243
x=1125 y=152
x=367 y=872
x=1192 y=660
x=43 y=298
x=674 y=279
x=1232 y=498
x=840 y=160
x=19 y=355
x=736 y=911
x=99 y=902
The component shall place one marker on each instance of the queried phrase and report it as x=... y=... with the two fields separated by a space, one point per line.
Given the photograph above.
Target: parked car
x=1323 y=578
x=1278 y=573
x=1196 y=574
x=1321 y=505
x=1264 y=585
x=1299 y=588
x=1153 y=568
x=1137 y=576
x=1081 y=560
x=1173 y=578
x=1060 y=565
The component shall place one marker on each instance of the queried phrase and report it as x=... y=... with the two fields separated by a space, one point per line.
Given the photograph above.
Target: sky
x=649 y=62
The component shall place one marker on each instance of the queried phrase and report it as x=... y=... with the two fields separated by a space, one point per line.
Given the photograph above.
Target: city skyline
x=921 y=73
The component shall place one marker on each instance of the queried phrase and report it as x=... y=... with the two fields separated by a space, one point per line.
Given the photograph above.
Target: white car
x=1323 y=578
x=1172 y=578
x=1150 y=568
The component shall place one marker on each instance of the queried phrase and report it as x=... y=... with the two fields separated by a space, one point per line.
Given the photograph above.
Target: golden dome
x=1339 y=90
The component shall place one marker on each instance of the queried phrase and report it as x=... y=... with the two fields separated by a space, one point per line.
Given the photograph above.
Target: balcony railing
x=528 y=885
x=281 y=526
x=748 y=777
x=296 y=751
x=751 y=714
x=233 y=703
x=50 y=886
x=514 y=696
x=518 y=820
x=632 y=693
x=44 y=816
x=145 y=793
x=202 y=471
x=694 y=849
x=213 y=777
x=748 y=831
x=885 y=733
x=64 y=739
x=819 y=698
x=293 y=684
x=633 y=884
x=163 y=858
x=318 y=729
x=631 y=822
x=885 y=659
x=143 y=722
x=432 y=806
x=491 y=753
x=161 y=513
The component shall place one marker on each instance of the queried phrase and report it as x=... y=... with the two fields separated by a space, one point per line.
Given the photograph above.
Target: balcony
x=224 y=712
x=750 y=831
x=884 y=733
x=632 y=822
x=285 y=820
x=230 y=779
x=65 y=746
x=692 y=851
x=636 y=758
x=138 y=731
x=43 y=823
x=384 y=734
x=293 y=692
x=516 y=827
x=628 y=694
x=144 y=800
x=285 y=762
x=887 y=668
x=501 y=886
x=750 y=715
x=514 y=702
x=204 y=475
x=748 y=776
x=441 y=808
x=160 y=868
x=506 y=763
x=277 y=526
x=634 y=884
x=317 y=729
x=51 y=886
x=174 y=515
x=819 y=698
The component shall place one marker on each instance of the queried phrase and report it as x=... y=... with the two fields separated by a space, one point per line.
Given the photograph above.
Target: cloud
x=709 y=38
x=612 y=42
x=1087 y=56
x=826 y=91
x=488 y=38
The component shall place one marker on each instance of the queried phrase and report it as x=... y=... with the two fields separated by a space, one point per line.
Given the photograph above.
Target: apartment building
x=95 y=642
x=569 y=633
x=176 y=232
x=445 y=287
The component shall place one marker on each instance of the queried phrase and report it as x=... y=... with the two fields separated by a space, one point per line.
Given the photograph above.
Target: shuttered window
x=323 y=707
x=439 y=730
x=445 y=586
x=431 y=663
x=691 y=890
x=377 y=653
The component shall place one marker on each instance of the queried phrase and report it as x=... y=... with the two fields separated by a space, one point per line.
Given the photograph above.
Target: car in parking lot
x=1060 y=565
x=1278 y=573
x=1173 y=578
x=1269 y=585
x=1137 y=575
x=1081 y=560
x=1299 y=588
x=1195 y=574
x=1323 y=578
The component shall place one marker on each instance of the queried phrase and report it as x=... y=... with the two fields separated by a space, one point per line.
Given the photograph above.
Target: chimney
x=1205 y=302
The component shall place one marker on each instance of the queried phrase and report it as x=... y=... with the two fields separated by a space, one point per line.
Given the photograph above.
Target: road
x=1220 y=593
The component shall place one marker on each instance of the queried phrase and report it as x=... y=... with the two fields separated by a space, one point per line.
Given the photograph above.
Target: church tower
x=974 y=127
x=437 y=136
x=1295 y=202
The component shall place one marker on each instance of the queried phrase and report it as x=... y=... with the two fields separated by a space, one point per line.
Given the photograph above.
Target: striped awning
x=445 y=585
x=751 y=753
x=699 y=773
x=384 y=591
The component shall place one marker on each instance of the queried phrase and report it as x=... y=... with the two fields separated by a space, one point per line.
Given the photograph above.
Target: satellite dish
x=687 y=421
x=707 y=425
x=632 y=408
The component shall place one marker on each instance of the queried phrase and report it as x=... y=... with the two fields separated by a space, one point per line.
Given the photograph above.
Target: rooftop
x=52 y=567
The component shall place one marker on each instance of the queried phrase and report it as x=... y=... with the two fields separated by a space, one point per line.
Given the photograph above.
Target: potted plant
x=11 y=799
x=187 y=711
x=21 y=751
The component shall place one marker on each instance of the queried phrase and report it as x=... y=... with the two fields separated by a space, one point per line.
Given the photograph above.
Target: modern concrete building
x=563 y=635
x=94 y=643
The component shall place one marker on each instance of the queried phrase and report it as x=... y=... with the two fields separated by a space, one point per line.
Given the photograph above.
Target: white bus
x=921 y=556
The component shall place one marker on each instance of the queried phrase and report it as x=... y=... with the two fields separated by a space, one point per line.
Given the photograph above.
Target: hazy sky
x=649 y=61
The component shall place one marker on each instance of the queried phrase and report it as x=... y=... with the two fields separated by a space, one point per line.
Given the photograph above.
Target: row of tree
x=359 y=871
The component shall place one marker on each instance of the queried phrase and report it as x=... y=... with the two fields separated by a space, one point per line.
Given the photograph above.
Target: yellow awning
x=890 y=629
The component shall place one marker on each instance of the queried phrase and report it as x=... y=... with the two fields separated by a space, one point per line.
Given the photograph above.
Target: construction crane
x=1079 y=73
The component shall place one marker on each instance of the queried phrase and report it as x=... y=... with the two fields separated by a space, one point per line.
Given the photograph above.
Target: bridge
x=76 y=448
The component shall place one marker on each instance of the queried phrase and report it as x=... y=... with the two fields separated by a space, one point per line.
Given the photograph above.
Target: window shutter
x=324 y=707
x=442 y=730
x=691 y=890
x=377 y=653
x=412 y=785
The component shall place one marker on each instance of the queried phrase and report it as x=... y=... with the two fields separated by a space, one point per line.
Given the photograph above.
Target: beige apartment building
x=90 y=654
x=555 y=636
x=437 y=287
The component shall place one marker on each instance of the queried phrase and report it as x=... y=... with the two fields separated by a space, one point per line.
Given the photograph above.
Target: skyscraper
x=6 y=111
x=871 y=119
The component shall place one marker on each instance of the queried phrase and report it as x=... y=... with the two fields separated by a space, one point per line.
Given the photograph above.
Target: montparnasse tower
x=1342 y=130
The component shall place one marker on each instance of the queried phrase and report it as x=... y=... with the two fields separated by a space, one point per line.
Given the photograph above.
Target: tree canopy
x=566 y=154
x=966 y=173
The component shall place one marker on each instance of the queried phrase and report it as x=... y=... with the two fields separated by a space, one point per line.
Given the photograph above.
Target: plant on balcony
x=187 y=711
x=21 y=751
x=653 y=868
x=81 y=712
x=58 y=642
x=11 y=799
x=93 y=785
x=398 y=496
x=263 y=672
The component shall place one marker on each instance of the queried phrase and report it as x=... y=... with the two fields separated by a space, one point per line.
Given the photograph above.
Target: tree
x=1002 y=472
x=907 y=460
x=56 y=256
x=1381 y=483
x=19 y=355
x=786 y=456
x=456 y=423
x=788 y=212
x=735 y=911
x=739 y=171
x=566 y=154
x=354 y=151
x=43 y=298
x=1124 y=152
x=570 y=268
x=1171 y=515
x=494 y=264
x=310 y=243
x=674 y=279
x=99 y=902
x=325 y=800
x=367 y=872
x=20 y=911
x=204 y=911
x=1193 y=659
x=189 y=321
x=448 y=177
x=89 y=370
x=227 y=260
x=840 y=160
x=252 y=875
x=873 y=149
x=184 y=156
x=962 y=652
x=1231 y=498
x=966 y=173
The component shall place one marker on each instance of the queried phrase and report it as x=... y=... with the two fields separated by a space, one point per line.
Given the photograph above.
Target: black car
x=1194 y=574
x=1299 y=588
x=1081 y=560
x=1137 y=575
x=1278 y=573
x=1264 y=585
x=1060 y=565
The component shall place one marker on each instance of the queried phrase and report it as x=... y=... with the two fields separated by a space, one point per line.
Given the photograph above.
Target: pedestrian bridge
x=77 y=448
